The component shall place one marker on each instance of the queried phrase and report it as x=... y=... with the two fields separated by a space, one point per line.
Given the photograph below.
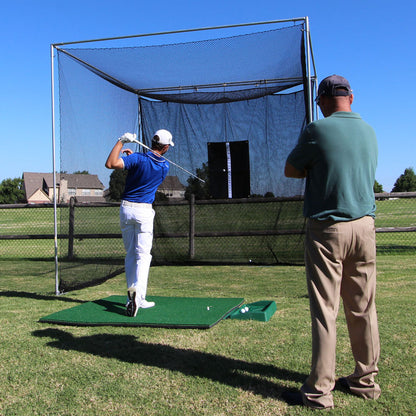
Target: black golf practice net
x=235 y=105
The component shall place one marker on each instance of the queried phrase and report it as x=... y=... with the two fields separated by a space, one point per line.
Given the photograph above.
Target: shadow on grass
x=236 y=373
x=29 y=295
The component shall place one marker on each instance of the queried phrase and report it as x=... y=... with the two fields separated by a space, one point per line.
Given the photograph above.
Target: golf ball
x=207 y=308
x=246 y=308
x=243 y=310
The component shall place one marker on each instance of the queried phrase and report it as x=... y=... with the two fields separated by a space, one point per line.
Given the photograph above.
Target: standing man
x=145 y=172
x=338 y=157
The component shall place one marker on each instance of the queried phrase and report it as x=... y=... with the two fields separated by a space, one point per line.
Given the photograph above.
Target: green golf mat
x=172 y=312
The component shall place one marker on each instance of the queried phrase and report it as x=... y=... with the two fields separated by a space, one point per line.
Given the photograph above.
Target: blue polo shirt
x=146 y=171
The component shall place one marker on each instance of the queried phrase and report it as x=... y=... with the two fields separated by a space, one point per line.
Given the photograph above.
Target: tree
x=11 y=191
x=117 y=182
x=196 y=187
x=161 y=196
x=378 y=188
x=406 y=182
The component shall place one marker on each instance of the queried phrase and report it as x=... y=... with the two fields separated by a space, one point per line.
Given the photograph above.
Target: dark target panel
x=229 y=169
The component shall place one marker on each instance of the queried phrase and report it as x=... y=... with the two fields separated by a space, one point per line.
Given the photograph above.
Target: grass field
x=390 y=213
x=235 y=368
x=252 y=217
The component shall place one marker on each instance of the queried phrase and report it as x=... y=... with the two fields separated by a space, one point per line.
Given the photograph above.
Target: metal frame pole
x=311 y=64
x=296 y=19
x=316 y=78
x=55 y=222
x=308 y=60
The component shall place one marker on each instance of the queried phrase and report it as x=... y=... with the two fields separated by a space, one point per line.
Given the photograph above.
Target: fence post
x=192 y=227
x=71 y=228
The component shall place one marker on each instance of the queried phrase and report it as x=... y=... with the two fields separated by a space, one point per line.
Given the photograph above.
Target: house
x=172 y=188
x=85 y=187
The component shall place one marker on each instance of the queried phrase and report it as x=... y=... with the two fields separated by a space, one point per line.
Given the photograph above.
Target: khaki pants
x=340 y=260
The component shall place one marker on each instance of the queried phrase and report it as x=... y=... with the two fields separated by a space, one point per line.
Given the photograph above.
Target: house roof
x=79 y=180
x=34 y=181
x=171 y=183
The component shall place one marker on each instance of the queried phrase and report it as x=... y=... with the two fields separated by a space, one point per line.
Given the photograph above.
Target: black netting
x=246 y=88
x=232 y=68
x=271 y=125
x=257 y=231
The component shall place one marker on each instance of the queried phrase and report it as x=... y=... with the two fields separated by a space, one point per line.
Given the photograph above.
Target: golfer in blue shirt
x=145 y=172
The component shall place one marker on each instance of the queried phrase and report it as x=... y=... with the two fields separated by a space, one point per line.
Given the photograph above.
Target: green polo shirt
x=339 y=153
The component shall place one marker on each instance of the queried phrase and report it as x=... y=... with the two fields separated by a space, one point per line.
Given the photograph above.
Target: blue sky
x=370 y=43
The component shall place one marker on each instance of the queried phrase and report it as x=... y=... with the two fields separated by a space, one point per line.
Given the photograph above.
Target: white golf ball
x=207 y=308
x=246 y=308
x=243 y=310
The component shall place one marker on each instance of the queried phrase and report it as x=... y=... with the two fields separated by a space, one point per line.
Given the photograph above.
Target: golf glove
x=127 y=138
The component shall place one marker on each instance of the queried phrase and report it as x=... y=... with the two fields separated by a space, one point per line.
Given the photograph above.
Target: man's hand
x=127 y=138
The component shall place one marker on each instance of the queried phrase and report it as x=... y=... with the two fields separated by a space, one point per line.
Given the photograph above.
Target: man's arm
x=114 y=161
x=292 y=172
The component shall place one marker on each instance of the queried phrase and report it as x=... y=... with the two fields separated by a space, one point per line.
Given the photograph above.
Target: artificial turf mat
x=174 y=312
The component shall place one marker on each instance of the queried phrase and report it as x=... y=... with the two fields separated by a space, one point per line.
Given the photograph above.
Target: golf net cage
x=235 y=99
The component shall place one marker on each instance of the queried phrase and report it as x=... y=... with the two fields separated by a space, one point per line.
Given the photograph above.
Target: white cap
x=163 y=137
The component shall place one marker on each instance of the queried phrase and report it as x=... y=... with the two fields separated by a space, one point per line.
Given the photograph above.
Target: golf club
x=173 y=163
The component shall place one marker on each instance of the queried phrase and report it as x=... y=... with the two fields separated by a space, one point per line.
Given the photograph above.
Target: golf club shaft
x=173 y=163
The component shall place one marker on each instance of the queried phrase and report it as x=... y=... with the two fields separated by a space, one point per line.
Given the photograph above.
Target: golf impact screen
x=247 y=87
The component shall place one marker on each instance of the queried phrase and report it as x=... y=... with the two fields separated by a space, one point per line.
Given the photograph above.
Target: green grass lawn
x=173 y=219
x=235 y=368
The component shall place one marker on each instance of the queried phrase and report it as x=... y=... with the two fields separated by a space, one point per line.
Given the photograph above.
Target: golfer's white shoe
x=145 y=304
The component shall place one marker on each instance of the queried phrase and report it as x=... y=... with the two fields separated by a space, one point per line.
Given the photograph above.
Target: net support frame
x=312 y=108
x=55 y=221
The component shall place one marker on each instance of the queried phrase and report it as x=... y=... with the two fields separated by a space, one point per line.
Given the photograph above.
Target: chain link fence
x=247 y=231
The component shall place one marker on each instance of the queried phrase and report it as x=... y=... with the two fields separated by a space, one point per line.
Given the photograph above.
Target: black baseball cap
x=334 y=86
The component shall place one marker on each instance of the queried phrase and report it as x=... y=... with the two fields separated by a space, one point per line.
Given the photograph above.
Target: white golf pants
x=136 y=223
